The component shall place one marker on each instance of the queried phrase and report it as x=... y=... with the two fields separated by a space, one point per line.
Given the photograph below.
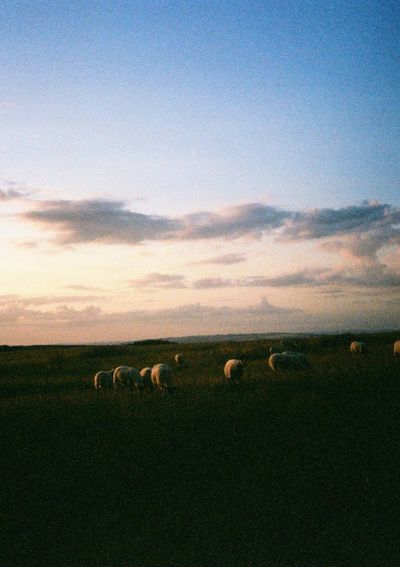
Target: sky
x=172 y=168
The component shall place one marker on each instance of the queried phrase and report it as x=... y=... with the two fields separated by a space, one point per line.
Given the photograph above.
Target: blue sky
x=175 y=108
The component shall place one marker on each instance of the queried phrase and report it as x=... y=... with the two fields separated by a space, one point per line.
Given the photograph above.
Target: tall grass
x=291 y=469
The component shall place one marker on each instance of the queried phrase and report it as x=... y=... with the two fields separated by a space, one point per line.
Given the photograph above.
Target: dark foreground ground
x=296 y=469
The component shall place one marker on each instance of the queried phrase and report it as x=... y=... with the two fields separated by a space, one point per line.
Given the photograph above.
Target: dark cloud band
x=10 y=194
x=359 y=230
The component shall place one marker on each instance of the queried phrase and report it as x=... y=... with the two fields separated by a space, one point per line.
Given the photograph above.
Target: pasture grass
x=299 y=468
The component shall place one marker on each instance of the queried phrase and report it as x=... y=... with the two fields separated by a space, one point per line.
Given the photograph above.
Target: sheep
x=396 y=348
x=304 y=360
x=145 y=373
x=358 y=347
x=161 y=376
x=127 y=377
x=179 y=359
x=288 y=361
x=103 y=379
x=233 y=370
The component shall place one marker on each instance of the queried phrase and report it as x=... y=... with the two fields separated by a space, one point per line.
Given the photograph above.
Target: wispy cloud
x=29 y=244
x=289 y=280
x=225 y=259
x=89 y=324
x=157 y=280
x=10 y=190
x=23 y=316
x=78 y=287
x=10 y=194
x=372 y=277
x=195 y=318
x=19 y=301
x=379 y=277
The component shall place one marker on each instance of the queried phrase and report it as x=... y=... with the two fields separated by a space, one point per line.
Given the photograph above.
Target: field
x=293 y=469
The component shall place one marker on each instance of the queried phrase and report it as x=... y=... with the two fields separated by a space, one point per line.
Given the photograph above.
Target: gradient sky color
x=172 y=168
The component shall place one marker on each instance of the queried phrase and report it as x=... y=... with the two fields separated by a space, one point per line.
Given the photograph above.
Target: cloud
x=252 y=219
x=7 y=301
x=364 y=247
x=99 y=221
x=176 y=281
x=10 y=190
x=10 y=194
x=322 y=223
x=157 y=280
x=91 y=324
x=225 y=259
x=288 y=280
x=65 y=324
x=358 y=232
x=112 y=222
x=78 y=287
x=379 y=277
x=29 y=244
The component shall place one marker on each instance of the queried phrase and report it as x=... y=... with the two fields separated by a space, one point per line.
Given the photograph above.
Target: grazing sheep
x=396 y=348
x=145 y=373
x=103 y=379
x=179 y=359
x=127 y=377
x=161 y=376
x=288 y=361
x=233 y=370
x=358 y=347
x=304 y=360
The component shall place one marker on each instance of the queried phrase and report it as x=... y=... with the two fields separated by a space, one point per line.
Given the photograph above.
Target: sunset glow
x=182 y=168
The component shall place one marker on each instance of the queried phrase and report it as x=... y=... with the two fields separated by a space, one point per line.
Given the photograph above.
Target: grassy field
x=290 y=469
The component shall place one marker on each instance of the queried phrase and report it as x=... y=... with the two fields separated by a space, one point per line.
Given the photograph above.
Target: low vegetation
x=293 y=468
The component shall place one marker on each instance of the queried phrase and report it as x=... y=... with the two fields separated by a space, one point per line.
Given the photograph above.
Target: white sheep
x=179 y=359
x=103 y=379
x=145 y=373
x=304 y=360
x=161 y=376
x=396 y=348
x=127 y=377
x=233 y=370
x=300 y=355
x=288 y=361
x=358 y=347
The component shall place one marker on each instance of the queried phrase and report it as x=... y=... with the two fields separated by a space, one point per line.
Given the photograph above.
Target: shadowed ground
x=296 y=469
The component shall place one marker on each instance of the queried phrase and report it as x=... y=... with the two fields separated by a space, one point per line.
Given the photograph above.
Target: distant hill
x=144 y=342
x=236 y=337
x=229 y=337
